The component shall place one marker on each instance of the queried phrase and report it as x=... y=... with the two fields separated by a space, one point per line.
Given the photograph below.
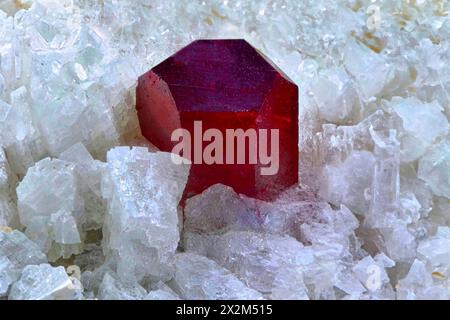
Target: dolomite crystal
x=141 y=230
x=422 y=124
x=51 y=207
x=8 y=198
x=112 y=289
x=199 y=278
x=434 y=168
x=16 y=252
x=161 y=291
x=267 y=263
x=43 y=282
x=89 y=173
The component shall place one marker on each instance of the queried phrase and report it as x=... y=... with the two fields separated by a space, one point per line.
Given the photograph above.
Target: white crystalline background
x=84 y=216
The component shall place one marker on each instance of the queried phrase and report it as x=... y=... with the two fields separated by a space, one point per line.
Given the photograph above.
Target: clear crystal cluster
x=89 y=210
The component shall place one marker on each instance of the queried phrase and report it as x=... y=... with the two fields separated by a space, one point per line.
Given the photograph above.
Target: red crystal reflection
x=226 y=84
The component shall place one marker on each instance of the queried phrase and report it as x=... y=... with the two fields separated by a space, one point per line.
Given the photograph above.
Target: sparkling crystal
x=8 y=197
x=422 y=123
x=51 y=207
x=258 y=260
x=141 y=232
x=199 y=278
x=112 y=289
x=16 y=252
x=43 y=282
x=434 y=168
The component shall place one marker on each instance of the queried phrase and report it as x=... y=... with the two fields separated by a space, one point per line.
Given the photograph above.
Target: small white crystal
x=259 y=259
x=335 y=95
x=218 y=207
x=434 y=168
x=161 y=292
x=113 y=289
x=43 y=282
x=8 y=182
x=422 y=123
x=371 y=71
x=51 y=207
x=16 y=252
x=337 y=188
x=141 y=229
x=89 y=172
x=199 y=278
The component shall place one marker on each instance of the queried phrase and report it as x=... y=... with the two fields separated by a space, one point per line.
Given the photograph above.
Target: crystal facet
x=225 y=84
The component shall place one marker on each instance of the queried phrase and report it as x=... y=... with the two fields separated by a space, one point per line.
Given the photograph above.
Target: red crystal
x=226 y=84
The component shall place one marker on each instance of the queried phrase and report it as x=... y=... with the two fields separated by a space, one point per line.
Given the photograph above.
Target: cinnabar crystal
x=223 y=84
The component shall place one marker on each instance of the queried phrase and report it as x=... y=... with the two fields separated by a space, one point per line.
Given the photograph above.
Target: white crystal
x=258 y=260
x=51 y=207
x=338 y=189
x=43 y=282
x=218 y=207
x=8 y=198
x=141 y=230
x=434 y=168
x=335 y=95
x=371 y=71
x=16 y=252
x=199 y=278
x=422 y=123
x=113 y=289
x=161 y=292
x=89 y=172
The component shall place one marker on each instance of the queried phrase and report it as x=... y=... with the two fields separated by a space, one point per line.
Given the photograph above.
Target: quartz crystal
x=141 y=231
x=199 y=278
x=224 y=85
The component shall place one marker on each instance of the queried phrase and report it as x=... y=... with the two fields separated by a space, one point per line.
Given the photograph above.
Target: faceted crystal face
x=224 y=85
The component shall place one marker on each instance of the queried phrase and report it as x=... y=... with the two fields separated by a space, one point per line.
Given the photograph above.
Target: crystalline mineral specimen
x=89 y=173
x=266 y=263
x=199 y=278
x=8 y=198
x=51 y=207
x=369 y=219
x=434 y=168
x=141 y=229
x=16 y=252
x=224 y=85
x=43 y=282
x=112 y=289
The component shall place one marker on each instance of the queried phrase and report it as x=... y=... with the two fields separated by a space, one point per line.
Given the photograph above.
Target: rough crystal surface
x=51 y=207
x=198 y=278
x=43 y=282
x=16 y=252
x=113 y=289
x=266 y=263
x=141 y=228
